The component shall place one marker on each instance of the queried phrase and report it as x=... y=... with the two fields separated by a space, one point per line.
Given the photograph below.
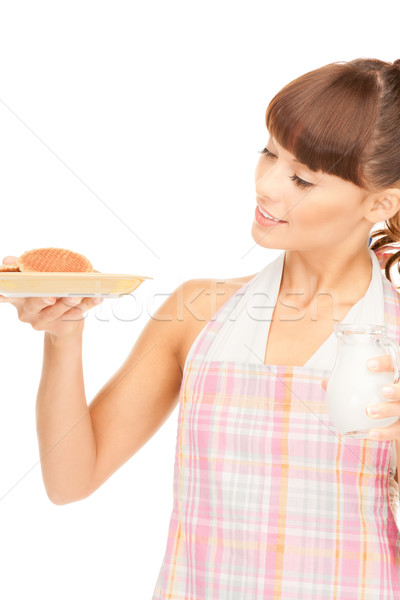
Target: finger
x=384 y=409
x=72 y=309
x=324 y=383
x=10 y=260
x=64 y=309
x=382 y=362
x=15 y=301
x=54 y=307
x=386 y=433
x=34 y=305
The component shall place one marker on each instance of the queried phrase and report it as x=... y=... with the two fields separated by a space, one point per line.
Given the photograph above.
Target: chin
x=266 y=238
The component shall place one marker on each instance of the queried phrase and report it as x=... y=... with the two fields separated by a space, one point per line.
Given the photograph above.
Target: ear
x=384 y=205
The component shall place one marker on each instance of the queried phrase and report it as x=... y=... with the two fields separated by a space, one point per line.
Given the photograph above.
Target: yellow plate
x=58 y=284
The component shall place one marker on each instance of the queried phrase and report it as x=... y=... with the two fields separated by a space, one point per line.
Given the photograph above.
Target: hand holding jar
x=383 y=385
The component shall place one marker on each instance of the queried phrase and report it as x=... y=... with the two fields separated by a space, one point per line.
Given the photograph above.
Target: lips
x=271 y=215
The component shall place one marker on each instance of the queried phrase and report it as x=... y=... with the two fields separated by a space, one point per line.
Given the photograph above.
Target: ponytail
x=385 y=251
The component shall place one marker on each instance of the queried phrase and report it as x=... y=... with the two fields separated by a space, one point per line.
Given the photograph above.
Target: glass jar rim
x=353 y=328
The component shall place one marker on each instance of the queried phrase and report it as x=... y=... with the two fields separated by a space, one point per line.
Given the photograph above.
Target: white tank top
x=244 y=335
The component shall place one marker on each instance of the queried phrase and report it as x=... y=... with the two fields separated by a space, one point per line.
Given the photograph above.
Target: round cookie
x=50 y=260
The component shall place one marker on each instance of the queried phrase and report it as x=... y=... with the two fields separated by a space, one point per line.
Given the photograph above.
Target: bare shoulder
x=199 y=300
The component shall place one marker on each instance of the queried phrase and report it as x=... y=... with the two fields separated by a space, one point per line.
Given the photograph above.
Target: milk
x=352 y=386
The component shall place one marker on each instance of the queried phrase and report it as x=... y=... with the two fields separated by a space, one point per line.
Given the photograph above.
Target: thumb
x=324 y=383
x=10 y=260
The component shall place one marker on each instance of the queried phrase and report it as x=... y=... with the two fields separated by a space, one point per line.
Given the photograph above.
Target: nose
x=269 y=183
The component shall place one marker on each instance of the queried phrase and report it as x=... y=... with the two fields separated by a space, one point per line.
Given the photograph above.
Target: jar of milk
x=352 y=386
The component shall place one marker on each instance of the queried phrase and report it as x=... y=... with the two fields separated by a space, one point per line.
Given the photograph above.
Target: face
x=319 y=210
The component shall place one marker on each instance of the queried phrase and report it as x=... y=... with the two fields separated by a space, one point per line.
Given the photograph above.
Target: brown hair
x=344 y=119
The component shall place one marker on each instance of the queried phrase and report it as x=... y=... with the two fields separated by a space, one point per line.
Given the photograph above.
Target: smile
x=268 y=216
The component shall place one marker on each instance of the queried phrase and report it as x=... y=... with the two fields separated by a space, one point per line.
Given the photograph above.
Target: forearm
x=66 y=438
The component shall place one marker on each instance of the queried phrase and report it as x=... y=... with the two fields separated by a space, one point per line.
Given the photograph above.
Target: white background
x=129 y=132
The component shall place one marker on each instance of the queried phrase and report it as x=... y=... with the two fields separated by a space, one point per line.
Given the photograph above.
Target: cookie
x=9 y=268
x=50 y=260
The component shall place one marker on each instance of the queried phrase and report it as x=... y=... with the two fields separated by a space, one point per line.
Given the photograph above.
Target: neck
x=345 y=276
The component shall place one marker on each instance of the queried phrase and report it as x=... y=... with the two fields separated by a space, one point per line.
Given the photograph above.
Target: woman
x=269 y=501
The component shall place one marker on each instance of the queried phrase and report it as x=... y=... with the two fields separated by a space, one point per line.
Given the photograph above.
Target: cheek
x=318 y=214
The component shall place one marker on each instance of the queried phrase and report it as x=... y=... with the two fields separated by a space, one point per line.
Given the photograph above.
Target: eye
x=267 y=152
x=301 y=183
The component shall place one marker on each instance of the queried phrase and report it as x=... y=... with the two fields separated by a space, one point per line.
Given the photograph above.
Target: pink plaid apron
x=269 y=501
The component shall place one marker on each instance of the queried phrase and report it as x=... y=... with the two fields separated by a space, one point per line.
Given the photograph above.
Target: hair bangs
x=326 y=119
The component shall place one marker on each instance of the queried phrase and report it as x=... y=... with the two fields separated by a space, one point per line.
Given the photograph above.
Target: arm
x=82 y=446
x=66 y=440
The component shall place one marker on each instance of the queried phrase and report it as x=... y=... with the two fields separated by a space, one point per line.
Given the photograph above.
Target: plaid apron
x=269 y=500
